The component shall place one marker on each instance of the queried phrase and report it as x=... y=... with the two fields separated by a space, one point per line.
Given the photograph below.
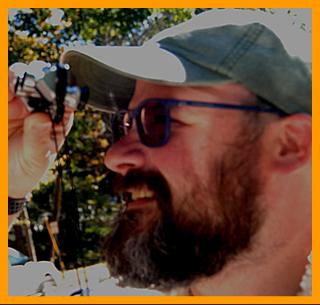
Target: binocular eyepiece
x=50 y=90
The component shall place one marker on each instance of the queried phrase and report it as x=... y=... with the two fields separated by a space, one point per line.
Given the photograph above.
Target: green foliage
x=88 y=202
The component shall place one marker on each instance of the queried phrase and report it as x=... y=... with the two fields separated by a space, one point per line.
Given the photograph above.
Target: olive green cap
x=247 y=53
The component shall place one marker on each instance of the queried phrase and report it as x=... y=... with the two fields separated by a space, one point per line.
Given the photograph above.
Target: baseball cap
x=209 y=49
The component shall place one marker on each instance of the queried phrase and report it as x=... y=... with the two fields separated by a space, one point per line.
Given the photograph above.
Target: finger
x=17 y=112
x=59 y=134
x=68 y=121
x=11 y=80
x=37 y=130
x=56 y=143
x=17 y=109
x=66 y=124
x=16 y=70
x=69 y=109
x=43 y=134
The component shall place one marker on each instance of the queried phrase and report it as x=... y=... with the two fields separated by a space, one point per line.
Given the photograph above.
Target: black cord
x=73 y=189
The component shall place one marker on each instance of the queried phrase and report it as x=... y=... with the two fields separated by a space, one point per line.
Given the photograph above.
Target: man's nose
x=125 y=155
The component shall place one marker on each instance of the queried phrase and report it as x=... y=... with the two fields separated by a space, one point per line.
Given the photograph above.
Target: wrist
x=14 y=193
x=15 y=205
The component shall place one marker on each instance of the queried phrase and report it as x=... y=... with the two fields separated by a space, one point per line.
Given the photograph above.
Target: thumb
x=37 y=137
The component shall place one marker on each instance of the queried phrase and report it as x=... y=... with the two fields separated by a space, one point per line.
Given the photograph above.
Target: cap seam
x=241 y=48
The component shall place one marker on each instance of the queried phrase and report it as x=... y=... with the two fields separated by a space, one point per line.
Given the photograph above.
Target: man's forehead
x=229 y=90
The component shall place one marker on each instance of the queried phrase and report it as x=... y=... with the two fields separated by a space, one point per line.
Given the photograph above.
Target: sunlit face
x=191 y=203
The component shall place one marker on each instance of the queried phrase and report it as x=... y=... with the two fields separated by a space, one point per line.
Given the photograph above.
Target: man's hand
x=31 y=144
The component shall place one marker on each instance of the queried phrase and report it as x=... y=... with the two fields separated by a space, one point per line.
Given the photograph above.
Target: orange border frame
x=315 y=299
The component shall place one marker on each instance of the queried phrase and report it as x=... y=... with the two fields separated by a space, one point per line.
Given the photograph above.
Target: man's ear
x=291 y=142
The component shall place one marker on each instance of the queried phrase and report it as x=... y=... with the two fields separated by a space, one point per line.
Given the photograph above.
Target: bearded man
x=212 y=147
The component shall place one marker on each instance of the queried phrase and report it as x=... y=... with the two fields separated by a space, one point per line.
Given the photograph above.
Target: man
x=213 y=156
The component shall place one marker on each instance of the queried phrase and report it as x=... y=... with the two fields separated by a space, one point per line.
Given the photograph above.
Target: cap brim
x=111 y=72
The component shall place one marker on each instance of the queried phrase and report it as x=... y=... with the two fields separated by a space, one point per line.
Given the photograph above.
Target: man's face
x=191 y=204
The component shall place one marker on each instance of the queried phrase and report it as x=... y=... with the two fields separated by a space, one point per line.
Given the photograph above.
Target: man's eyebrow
x=207 y=89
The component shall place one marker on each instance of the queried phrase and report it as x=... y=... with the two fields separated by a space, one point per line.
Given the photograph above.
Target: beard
x=217 y=222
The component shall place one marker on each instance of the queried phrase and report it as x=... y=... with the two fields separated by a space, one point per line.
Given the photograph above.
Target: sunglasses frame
x=135 y=114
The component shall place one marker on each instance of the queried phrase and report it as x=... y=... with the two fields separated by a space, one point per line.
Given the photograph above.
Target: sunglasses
x=153 y=121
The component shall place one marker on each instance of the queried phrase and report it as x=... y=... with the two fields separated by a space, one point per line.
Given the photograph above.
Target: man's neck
x=276 y=270
x=275 y=278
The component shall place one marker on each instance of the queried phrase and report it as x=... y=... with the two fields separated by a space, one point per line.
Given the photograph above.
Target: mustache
x=153 y=179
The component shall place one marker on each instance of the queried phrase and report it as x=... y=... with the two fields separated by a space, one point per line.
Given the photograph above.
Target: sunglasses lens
x=155 y=123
